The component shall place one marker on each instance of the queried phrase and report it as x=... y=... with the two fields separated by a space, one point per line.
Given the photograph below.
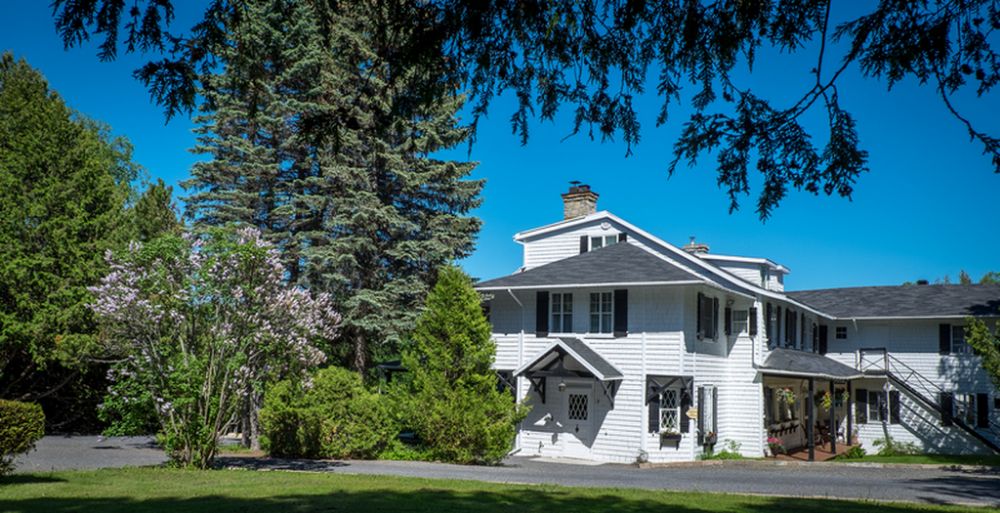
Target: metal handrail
x=918 y=381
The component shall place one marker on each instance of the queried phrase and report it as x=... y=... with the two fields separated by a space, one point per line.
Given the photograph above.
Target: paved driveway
x=937 y=486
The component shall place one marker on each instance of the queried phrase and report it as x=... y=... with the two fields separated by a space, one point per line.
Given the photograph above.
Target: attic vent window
x=603 y=240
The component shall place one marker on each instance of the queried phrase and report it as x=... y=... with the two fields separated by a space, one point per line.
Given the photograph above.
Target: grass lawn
x=930 y=459
x=223 y=491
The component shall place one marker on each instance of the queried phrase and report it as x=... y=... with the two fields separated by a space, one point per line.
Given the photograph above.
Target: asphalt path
x=890 y=483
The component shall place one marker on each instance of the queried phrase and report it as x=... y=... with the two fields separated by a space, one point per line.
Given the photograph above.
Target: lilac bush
x=204 y=323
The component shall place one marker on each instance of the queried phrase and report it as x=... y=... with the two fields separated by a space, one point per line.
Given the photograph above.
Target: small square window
x=841 y=332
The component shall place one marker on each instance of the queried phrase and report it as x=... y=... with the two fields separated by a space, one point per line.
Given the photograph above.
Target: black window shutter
x=685 y=405
x=768 y=324
x=861 y=406
x=729 y=321
x=621 y=312
x=700 y=329
x=777 y=328
x=715 y=318
x=701 y=415
x=894 y=407
x=753 y=322
x=947 y=408
x=584 y=244
x=824 y=338
x=715 y=410
x=982 y=411
x=944 y=338
x=653 y=401
x=541 y=313
x=622 y=237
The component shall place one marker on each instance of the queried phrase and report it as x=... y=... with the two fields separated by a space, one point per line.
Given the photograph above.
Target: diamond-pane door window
x=577 y=406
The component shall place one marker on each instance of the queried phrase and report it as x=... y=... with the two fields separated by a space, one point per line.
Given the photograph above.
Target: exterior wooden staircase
x=878 y=362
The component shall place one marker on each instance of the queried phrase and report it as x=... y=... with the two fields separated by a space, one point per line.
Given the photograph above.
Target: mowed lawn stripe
x=141 y=490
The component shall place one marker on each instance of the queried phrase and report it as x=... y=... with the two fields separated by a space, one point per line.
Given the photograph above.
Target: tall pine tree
x=324 y=138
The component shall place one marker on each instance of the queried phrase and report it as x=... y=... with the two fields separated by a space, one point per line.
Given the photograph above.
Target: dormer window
x=602 y=240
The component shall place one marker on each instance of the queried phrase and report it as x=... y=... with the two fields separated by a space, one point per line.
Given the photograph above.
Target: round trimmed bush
x=21 y=425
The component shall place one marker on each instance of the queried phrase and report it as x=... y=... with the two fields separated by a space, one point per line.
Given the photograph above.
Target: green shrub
x=451 y=399
x=128 y=407
x=21 y=425
x=731 y=451
x=856 y=452
x=889 y=447
x=334 y=417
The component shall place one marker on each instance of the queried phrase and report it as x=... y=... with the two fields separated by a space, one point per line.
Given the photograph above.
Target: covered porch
x=575 y=389
x=808 y=405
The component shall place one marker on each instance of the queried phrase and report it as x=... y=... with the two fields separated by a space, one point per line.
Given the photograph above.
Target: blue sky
x=926 y=209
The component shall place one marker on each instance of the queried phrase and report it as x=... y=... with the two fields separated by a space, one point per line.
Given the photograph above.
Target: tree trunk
x=253 y=419
x=360 y=352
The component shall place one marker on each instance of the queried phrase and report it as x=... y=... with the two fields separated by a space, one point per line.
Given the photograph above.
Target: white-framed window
x=958 y=343
x=876 y=406
x=741 y=321
x=601 y=312
x=670 y=410
x=841 y=332
x=562 y=313
x=965 y=408
x=603 y=240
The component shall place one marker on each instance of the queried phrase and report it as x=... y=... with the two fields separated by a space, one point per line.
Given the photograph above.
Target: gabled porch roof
x=790 y=362
x=580 y=352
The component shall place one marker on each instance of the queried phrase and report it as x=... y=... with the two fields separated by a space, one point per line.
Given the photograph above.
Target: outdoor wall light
x=562 y=386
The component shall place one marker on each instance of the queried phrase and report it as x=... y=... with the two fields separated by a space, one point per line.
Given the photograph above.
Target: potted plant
x=775 y=446
x=826 y=400
x=788 y=395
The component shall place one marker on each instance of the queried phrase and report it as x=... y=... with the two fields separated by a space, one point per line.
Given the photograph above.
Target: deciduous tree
x=204 y=324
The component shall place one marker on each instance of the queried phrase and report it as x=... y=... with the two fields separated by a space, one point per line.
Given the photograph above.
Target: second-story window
x=601 y=309
x=562 y=313
x=958 y=343
x=603 y=240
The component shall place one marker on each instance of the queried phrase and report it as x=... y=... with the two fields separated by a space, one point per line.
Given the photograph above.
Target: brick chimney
x=579 y=201
x=695 y=247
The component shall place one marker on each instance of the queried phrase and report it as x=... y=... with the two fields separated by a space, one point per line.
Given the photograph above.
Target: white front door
x=578 y=415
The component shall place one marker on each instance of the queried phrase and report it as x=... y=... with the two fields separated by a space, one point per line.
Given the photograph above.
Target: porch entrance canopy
x=789 y=362
x=552 y=362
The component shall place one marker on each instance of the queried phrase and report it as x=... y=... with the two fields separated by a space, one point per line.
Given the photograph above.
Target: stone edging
x=859 y=464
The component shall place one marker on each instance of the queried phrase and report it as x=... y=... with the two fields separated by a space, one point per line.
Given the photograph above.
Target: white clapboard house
x=629 y=348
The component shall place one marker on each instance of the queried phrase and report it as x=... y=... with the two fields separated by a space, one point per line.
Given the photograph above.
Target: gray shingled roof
x=789 y=362
x=618 y=263
x=580 y=351
x=904 y=301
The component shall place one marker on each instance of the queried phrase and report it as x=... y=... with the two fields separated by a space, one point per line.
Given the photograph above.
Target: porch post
x=850 y=415
x=833 y=419
x=811 y=419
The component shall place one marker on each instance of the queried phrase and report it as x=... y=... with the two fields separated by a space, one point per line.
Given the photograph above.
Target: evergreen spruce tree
x=454 y=403
x=154 y=213
x=326 y=144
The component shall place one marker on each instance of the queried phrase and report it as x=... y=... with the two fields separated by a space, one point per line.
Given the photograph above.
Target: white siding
x=915 y=344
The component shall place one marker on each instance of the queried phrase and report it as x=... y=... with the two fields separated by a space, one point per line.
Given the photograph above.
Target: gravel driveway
x=935 y=486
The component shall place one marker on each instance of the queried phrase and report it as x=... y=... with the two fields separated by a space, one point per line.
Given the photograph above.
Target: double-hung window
x=958 y=343
x=603 y=240
x=562 y=313
x=601 y=311
x=741 y=321
x=876 y=406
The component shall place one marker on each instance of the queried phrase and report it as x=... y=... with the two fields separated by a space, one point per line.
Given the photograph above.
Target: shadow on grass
x=440 y=500
x=28 y=479
x=267 y=463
